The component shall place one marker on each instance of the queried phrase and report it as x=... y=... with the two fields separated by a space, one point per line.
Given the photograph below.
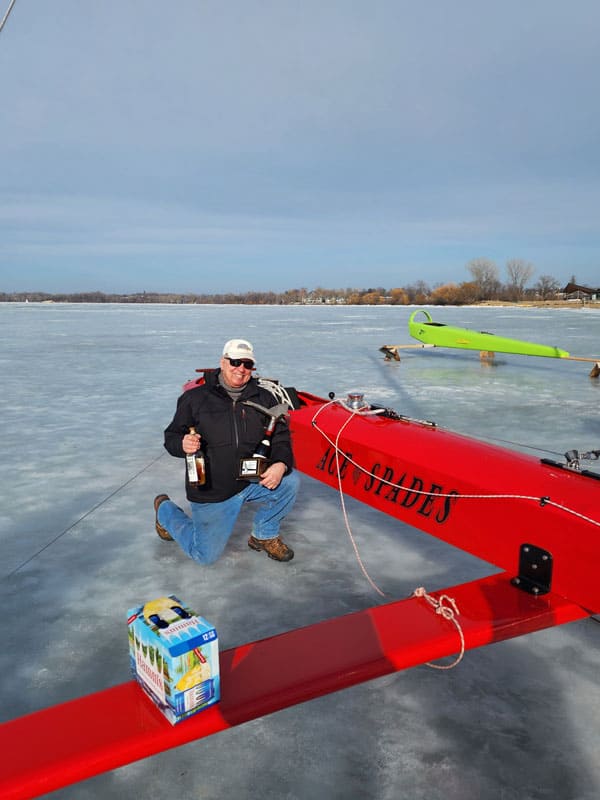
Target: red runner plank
x=73 y=741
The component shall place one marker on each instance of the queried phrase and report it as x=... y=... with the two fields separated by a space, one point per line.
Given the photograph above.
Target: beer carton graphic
x=174 y=656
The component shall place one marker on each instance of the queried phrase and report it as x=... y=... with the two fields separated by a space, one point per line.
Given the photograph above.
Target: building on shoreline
x=573 y=291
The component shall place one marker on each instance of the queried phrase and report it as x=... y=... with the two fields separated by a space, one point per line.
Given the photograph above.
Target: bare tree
x=547 y=286
x=485 y=276
x=519 y=273
x=418 y=292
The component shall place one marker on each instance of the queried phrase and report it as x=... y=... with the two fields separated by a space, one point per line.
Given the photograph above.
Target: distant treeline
x=485 y=285
x=446 y=294
x=378 y=295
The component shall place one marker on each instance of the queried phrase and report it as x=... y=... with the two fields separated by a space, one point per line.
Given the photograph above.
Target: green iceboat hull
x=440 y=335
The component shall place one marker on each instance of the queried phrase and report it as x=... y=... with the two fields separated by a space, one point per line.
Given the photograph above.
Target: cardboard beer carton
x=174 y=656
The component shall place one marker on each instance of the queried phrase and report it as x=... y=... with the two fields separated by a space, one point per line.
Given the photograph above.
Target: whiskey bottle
x=263 y=449
x=196 y=468
x=262 y=453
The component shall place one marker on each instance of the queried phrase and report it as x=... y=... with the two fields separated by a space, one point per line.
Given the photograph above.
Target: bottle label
x=192 y=469
x=252 y=469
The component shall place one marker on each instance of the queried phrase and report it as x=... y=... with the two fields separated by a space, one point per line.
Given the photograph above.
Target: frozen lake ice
x=87 y=392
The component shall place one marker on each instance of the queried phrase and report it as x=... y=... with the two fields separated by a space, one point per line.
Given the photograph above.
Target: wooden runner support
x=391 y=350
x=391 y=353
x=595 y=371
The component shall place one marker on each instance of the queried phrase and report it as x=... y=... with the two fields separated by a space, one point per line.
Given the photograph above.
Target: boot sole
x=162 y=532
x=263 y=550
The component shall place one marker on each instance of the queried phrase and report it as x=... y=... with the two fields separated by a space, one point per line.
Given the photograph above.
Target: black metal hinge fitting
x=535 y=570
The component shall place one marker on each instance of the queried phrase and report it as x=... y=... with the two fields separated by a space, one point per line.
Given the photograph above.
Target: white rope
x=345 y=513
x=543 y=501
x=277 y=390
x=446 y=607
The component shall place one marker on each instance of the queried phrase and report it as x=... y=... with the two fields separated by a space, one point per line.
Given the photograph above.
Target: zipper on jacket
x=235 y=426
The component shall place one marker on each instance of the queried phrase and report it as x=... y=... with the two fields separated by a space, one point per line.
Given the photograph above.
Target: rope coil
x=279 y=392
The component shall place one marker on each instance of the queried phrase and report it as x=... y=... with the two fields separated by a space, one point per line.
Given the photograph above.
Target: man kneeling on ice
x=219 y=428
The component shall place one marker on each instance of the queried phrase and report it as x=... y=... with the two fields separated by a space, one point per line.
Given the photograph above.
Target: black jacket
x=229 y=431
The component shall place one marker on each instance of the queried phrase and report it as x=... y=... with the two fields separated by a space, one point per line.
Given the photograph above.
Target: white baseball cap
x=238 y=348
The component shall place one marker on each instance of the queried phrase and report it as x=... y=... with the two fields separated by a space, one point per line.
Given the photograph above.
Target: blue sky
x=209 y=147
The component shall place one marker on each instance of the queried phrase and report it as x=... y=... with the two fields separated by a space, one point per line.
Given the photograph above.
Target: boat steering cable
x=485 y=437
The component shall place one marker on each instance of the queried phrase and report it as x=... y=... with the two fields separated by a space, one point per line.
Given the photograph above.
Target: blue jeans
x=203 y=536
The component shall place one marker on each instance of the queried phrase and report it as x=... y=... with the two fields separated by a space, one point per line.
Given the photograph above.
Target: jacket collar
x=212 y=381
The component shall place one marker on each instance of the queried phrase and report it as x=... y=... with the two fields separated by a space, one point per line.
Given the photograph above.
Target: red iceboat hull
x=484 y=499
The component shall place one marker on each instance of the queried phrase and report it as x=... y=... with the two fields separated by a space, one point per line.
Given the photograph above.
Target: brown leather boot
x=162 y=532
x=274 y=548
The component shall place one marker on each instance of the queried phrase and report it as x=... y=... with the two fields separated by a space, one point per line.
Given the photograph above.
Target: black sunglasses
x=241 y=362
